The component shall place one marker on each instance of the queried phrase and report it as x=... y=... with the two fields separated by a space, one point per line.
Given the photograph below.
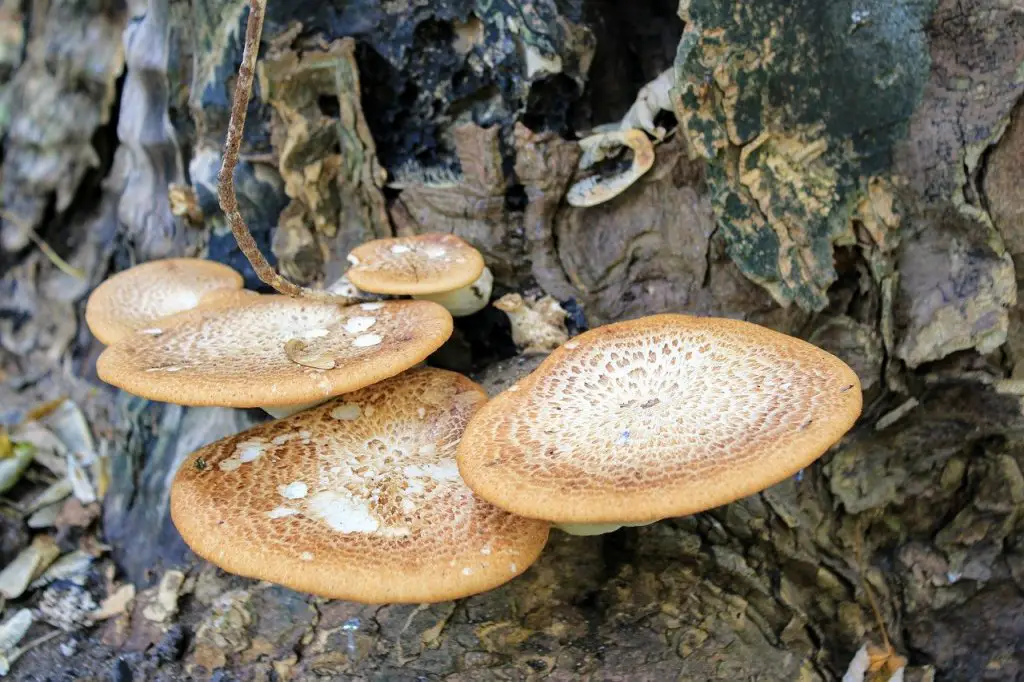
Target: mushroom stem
x=282 y=411
x=226 y=181
x=597 y=528
x=466 y=300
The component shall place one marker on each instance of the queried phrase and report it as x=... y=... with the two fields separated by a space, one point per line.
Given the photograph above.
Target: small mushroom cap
x=359 y=499
x=663 y=416
x=273 y=350
x=422 y=264
x=135 y=298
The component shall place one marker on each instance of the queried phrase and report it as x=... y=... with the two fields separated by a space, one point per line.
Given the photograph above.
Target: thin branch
x=226 y=189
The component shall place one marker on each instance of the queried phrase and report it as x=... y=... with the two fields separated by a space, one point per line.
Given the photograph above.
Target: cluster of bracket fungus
x=663 y=416
x=359 y=498
x=382 y=482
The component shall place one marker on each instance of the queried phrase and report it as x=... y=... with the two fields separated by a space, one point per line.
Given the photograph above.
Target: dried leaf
x=13 y=629
x=68 y=566
x=45 y=517
x=299 y=353
x=49 y=450
x=27 y=566
x=119 y=601
x=6 y=447
x=81 y=487
x=13 y=467
x=55 y=492
x=68 y=423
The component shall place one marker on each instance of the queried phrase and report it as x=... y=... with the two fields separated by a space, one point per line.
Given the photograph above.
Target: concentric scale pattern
x=659 y=417
x=423 y=264
x=135 y=298
x=243 y=354
x=359 y=498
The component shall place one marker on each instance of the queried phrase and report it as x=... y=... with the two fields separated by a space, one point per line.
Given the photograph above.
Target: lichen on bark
x=795 y=105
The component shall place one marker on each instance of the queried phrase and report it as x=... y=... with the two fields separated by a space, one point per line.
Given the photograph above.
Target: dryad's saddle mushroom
x=359 y=498
x=663 y=416
x=436 y=267
x=274 y=352
x=137 y=297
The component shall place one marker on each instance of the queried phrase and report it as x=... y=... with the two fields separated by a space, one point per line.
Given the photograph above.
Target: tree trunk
x=847 y=172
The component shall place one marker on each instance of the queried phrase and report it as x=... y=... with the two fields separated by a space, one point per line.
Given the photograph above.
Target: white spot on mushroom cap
x=357 y=325
x=572 y=344
x=371 y=306
x=467 y=571
x=164 y=369
x=229 y=464
x=152 y=332
x=315 y=333
x=367 y=340
x=281 y=512
x=342 y=512
x=512 y=567
x=400 y=248
x=485 y=550
x=352 y=259
x=346 y=412
x=295 y=490
x=435 y=252
x=306 y=556
x=421 y=412
x=250 y=450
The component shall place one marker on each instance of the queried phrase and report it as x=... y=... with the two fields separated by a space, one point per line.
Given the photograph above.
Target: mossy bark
x=848 y=172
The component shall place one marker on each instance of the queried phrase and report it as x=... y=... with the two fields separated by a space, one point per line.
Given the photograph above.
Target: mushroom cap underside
x=663 y=416
x=359 y=498
x=139 y=296
x=273 y=350
x=427 y=263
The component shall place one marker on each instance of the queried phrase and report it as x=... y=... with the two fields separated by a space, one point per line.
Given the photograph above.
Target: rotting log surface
x=849 y=175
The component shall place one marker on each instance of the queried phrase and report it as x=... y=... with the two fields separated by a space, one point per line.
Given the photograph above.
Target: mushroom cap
x=135 y=298
x=422 y=264
x=359 y=498
x=662 y=416
x=273 y=350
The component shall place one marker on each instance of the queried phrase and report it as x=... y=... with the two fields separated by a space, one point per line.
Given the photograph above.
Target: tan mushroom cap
x=422 y=264
x=273 y=350
x=135 y=298
x=359 y=498
x=663 y=416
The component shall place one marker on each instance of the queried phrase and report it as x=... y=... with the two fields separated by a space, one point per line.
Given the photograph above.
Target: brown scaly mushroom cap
x=357 y=499
x=273 y=351
x=658 y=417
x=139 y=296
x=437 y=267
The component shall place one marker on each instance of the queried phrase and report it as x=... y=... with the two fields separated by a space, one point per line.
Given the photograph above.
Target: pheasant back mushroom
x=436 y=267
x=357 y=499
x=663 y=416
x=279 y=353
x=136 y=298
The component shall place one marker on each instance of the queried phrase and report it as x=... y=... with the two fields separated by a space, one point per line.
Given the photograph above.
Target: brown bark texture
x=850 y=172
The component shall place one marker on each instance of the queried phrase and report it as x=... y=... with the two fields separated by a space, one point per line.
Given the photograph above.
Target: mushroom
x=135 y=298
x=357 y=499
x=662 y=416
x=432 y=266
x=275 y=352
x=596 y=189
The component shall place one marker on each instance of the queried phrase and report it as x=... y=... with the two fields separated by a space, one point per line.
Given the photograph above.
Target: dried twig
x=226 y=188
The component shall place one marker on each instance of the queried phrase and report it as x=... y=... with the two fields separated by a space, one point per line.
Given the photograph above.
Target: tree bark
x=847 y=172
